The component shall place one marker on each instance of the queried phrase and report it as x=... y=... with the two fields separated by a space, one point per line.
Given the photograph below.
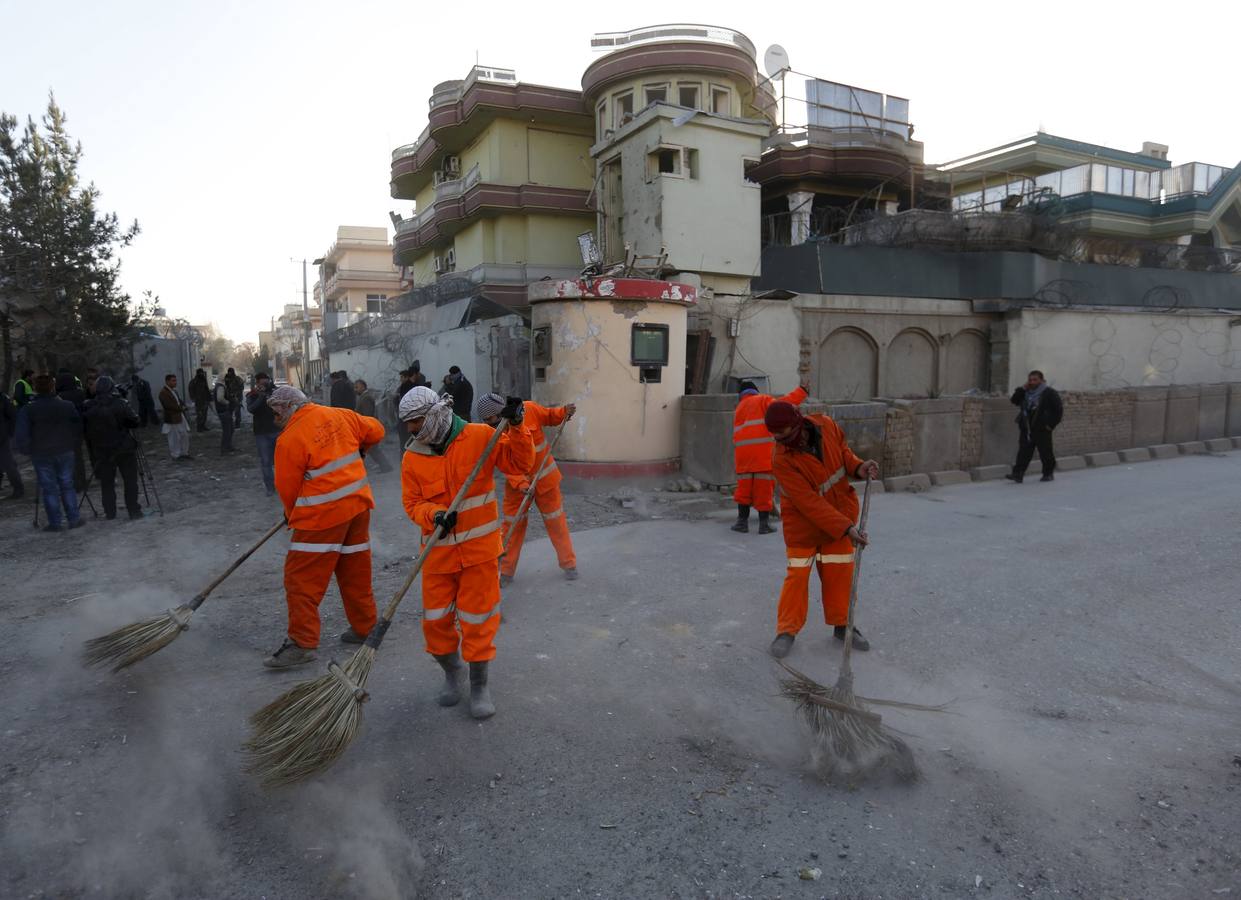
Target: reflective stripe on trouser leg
x=307 y=573
x=512 y=551
x=551 y=505
x=439 y=612
x=353 y=574
x=835 y=564
x=795 y=592
x=478 y=610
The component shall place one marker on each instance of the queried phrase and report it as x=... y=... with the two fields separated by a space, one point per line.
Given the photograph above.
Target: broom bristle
x=847 y=746
x=136 y=642
x=306 y=729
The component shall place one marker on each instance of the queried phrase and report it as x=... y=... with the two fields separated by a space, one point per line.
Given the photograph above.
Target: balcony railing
x=1190 y=179
x=617 y=40
x=448 y=92
x=445 y=190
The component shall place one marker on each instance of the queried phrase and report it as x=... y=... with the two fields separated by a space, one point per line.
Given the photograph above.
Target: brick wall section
x=898 y=447
x=971 y=433
x=1095 y=421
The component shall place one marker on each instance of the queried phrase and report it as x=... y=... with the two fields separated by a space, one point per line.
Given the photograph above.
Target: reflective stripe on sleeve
x=478 y=618
x=540 y=447
x=335 y=464
x=317 y=499
x=314 y=548
x=835 y=557
x=766 y=440
x=737 y=428
x=836 y=476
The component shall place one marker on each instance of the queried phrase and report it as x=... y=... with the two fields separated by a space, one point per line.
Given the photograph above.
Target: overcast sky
x=241 y=134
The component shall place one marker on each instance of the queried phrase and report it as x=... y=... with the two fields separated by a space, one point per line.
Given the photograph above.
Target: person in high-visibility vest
x=327 y=499
x=23 y=388
x=752 y=445
x=461 y=577
x=547 y=494
x=813 y=464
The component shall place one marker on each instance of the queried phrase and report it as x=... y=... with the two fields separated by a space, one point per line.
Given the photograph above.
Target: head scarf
x=422 y=401
x=490 y=405
x=103 y=386
x=781 y=415
x=287 y=396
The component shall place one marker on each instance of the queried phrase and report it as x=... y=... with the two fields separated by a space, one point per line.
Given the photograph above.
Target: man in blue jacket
x=48 y=431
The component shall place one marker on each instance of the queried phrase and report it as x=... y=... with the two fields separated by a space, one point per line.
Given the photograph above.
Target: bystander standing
x=48 y=431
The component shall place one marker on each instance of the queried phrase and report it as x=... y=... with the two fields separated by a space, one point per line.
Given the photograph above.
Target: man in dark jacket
x=1039 y=411
x=236 y=388
x=367 y=407
x=342 y=392
x=8 y=465
x=462 y=393
x=48 y=430
x=113 y=447
x=68 y=388
x=416 y=378
x=223 y=409
x=265 y=429
x=200 y=396
x=140 y=390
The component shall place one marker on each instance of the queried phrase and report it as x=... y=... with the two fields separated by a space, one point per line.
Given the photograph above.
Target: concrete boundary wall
x=969 y=433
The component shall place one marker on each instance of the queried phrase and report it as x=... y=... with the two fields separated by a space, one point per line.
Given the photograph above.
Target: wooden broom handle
x=202 y=595
x=845 y=669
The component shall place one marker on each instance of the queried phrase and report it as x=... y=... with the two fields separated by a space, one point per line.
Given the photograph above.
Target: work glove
x=524 y=485
x=446 y=521
x=514 y=410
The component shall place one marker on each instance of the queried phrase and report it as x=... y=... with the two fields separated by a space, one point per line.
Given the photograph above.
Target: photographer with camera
x=265 y=429
x=108 y=419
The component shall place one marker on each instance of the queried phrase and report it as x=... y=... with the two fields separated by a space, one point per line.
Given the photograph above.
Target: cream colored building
x=356 y=276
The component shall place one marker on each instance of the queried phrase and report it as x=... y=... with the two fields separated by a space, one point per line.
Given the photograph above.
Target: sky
x=240 y=135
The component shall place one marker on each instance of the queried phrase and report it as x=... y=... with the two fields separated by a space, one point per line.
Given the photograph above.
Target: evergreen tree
x=60 y=299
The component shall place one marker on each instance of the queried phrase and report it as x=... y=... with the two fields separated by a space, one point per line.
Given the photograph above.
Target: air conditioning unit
x=441 y=265
x=452 y=166
x=450 y=259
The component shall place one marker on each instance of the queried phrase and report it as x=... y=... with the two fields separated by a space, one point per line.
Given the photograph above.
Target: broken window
x=721 y=100
x=663 y=161
x=613 y=212
x=624 y=108
x=687 y=95
x=601 y=118
x=656 y=93
x=691 y=162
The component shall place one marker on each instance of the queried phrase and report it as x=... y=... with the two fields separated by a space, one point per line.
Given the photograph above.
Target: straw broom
x=850 y=740
x=135 y=642
x=529 y=495
x=306 y=729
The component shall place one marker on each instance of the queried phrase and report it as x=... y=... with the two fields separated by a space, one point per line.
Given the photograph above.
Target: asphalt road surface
x=1085 y=631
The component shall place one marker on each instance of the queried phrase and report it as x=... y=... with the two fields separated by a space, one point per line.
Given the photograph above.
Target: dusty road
x=1087 y=630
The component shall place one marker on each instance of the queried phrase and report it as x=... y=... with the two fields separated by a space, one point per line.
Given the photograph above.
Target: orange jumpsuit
x=752 y=449
x=461 y=578
x=546 y=495
x=322 y=483
x=819 y=506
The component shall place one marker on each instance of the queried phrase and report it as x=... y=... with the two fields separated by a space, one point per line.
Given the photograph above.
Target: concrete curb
x=1164 y=451
x=1107 y=458
x=988 y=473
x=915 y=483
x=1219 y=445
x=1192 y=447
x=1236 y=443
x=949 y=476
x=1135 y=454
x=1070 y=463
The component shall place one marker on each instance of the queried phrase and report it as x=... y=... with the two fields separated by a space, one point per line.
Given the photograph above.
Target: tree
x=243 y=358
x=262 y=360
x=60 y=299
x=217 y=353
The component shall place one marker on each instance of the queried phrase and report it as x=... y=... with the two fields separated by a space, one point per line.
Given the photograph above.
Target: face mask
x=796 y=436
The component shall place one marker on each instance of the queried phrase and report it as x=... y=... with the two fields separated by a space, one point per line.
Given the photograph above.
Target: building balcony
x=459 y=206
x=342 y=280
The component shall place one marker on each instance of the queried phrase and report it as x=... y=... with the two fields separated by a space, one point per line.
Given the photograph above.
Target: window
x=687 y=95
x=375 y=303
x=747 y=166
x=679 y=162
x=649 y=345
x=721 y=100
x=541 y=346
x=656 y=93
x=601 y=118
x=624 y=108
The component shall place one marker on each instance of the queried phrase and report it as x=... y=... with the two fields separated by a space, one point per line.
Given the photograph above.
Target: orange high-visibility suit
x=546 y=494
x=321 y=480
x=752 y=448
x=819 y=506
x=461 y=578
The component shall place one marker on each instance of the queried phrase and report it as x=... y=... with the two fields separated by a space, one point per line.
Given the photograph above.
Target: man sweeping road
x=812 y=465
x=460 y=579
x=322 y=483
x=752 y=454
x=546 y=491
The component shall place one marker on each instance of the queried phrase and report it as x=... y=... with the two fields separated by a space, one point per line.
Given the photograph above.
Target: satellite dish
x=775 y=60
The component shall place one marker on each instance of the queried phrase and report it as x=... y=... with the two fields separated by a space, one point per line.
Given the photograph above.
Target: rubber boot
x=742 y=524
x=450 y=694
x=764 y=523
x=481 y=706
x=781 y=646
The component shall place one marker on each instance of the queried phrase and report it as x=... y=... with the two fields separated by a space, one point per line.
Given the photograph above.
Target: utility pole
x=305 y=328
